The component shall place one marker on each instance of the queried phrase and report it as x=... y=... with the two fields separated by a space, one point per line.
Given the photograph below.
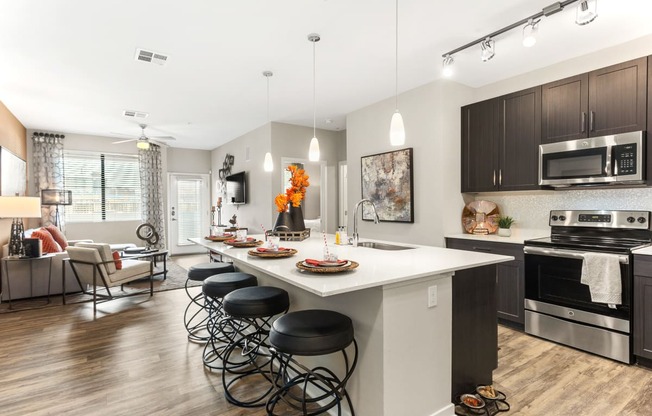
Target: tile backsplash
x=531 y=209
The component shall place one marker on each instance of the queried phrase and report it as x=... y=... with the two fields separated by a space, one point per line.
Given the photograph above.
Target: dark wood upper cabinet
x=519 y=138
x=617 y=98
x=479 y=151
x=564 y=109
x=606 y=101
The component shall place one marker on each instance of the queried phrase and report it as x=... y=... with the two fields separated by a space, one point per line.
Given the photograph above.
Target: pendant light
x=268 y=164
x=313 y=151
x=587 y=11
x=396 y=127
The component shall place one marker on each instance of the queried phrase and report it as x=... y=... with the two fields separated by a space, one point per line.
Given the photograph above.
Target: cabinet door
x=617 y=98
x=643 y=316
x=510 y=291
x=564 y=109
x=479 y=161
x=519 y=139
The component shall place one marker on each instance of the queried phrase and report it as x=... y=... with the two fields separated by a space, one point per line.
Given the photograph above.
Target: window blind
x=105 y=187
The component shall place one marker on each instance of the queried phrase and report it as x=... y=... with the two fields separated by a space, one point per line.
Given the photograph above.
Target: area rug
x=176 y=279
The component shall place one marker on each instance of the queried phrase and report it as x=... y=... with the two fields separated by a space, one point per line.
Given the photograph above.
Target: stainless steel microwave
x=614 y=159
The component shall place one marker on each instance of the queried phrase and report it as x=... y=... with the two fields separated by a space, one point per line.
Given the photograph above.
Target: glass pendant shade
x=488 y=49
x=142 y=144
x=447 y=66
x=587 y=11
x=530 y=31
x=397 y=130
x=313 y=151
x=268 y=164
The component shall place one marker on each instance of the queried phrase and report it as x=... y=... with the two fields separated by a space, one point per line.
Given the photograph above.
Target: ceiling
x=67 y=66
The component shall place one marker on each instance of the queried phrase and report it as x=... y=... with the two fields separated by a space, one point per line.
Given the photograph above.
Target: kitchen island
x=401 y=305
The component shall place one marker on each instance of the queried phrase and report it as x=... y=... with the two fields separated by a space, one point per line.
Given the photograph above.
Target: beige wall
x=12 y=137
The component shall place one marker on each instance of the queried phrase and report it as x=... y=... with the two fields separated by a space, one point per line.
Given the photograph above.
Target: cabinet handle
x=486 y=250
x=583 y=122
x=494 y=177
x=591 y=120
x=500 y=177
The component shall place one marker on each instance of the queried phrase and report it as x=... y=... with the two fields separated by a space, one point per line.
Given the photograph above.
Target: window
x=105 y=187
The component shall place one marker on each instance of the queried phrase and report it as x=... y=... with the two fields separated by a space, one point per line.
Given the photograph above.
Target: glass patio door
x=188 y=211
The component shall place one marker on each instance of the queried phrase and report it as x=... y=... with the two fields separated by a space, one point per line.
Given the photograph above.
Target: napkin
x=263 y=249
x=314 y=262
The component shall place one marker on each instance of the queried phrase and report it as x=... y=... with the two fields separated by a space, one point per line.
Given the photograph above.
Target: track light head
x=488 y=49
x=530 y=31
x=587 y=11
x=447 y=66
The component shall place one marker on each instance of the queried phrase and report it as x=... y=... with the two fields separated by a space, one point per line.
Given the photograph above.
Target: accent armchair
x=93 y=265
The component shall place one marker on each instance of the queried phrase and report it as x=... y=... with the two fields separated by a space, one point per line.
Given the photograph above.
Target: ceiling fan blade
x=125 y=141
x=114 y=133
x=159 y=143
x=162 y=137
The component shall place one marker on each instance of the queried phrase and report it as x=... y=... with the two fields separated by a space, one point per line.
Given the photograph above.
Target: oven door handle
x=569 y=254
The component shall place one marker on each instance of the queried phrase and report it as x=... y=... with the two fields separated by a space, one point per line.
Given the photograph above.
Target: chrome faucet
x=356 y=237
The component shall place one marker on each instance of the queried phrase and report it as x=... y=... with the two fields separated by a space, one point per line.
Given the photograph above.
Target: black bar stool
x=214 y=289
x=249 y=312
x=313 y=332
x=195 y=317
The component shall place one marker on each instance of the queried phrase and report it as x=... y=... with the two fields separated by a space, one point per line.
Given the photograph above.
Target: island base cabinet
x=475 y=334
x=643 y=308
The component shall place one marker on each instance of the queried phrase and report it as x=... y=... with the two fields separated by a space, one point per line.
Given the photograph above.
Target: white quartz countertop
x=646 y=251
x=376 y=267
x=518 y=236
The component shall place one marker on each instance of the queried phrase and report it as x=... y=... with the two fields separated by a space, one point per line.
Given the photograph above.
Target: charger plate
x=273 y=254
x=329 y=269
x=233 y=243
x=219 y=237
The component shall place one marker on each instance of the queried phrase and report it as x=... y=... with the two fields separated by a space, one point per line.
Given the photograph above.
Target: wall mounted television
x=236 y=188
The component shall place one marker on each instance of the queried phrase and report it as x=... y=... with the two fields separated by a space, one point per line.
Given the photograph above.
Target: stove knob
x=562 y=218
x=631 y=219
x=642 y=220
x=554 y=218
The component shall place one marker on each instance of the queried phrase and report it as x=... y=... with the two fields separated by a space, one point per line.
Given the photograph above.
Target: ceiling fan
x=143 y=141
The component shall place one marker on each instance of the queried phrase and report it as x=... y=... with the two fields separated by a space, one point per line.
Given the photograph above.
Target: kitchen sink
x=382 y=246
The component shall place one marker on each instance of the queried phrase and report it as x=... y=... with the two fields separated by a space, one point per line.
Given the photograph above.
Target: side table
x=30 y=260
x=155 y=255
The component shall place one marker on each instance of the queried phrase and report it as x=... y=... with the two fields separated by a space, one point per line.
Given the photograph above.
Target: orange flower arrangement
x=295 y=193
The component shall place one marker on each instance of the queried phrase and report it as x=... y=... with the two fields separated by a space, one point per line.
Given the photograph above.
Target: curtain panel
x=48 y=164
x=152 y=190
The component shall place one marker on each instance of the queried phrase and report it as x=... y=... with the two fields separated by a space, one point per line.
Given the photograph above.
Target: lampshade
x=142 y=144
x=313 y=151
x=397 y=130
x=530 y=31
x=268 y=164
x=56 y=197
x=587 y=11
x=20 y=207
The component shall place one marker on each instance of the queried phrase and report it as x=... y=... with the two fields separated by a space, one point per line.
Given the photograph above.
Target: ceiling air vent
x=151 y=57
x=135 y=114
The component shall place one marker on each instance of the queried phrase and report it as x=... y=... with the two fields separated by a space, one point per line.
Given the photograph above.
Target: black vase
x=297 y=218
x=283 y=222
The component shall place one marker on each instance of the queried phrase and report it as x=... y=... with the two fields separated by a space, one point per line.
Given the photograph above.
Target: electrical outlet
x=432 y=296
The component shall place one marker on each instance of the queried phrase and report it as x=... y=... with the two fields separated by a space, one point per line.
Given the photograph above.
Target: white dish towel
x=601 y=272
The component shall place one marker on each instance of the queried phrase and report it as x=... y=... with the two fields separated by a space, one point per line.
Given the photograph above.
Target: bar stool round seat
x=249 y=312
x=195 y=316
x=214 y=289
x=311 y=332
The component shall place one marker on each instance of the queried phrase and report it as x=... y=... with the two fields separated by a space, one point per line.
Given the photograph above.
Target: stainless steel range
x=558 y=306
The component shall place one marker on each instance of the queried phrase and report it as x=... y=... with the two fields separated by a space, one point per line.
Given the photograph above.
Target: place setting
x=272 y=250
x=329 y=264
x=241 y=240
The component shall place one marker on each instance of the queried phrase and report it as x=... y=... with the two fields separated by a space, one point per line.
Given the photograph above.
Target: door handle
x=583 y=122
x=591 y=120
x=500 y=177
x=494 y=177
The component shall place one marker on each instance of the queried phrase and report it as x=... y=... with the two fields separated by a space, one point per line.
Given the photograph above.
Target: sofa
x=20 y=279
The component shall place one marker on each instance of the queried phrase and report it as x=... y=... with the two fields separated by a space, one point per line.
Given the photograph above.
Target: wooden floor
x=134 y=359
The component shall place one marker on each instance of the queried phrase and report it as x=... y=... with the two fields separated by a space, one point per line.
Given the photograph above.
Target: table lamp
x=56 y=197
x=19 y=207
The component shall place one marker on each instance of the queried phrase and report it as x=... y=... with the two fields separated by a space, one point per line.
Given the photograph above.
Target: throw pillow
x=49 y=245
x=118 y=260
x=58 y=236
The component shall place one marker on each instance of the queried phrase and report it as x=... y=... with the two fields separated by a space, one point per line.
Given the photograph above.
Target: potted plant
x=504 y=224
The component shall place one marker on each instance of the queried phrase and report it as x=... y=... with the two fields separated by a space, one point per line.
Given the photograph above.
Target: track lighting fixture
x=587 y=11
x=488 y=48
x=530 y=31
x=447 y=66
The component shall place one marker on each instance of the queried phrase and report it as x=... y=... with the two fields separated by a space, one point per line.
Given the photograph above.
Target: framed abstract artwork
x=13 y=174
x=387 y=182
